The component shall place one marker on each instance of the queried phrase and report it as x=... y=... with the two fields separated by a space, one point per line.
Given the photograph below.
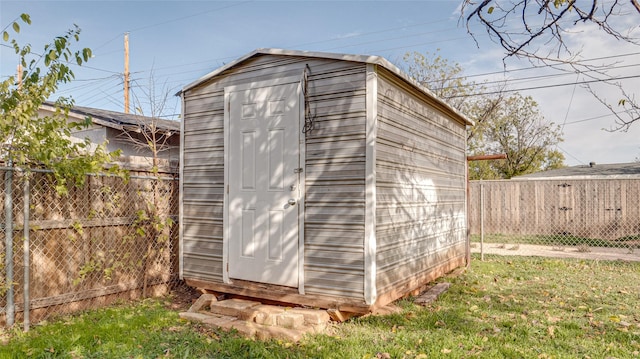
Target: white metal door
x=263 y=184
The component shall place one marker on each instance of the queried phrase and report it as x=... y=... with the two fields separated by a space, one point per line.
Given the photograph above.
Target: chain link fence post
x=8 y=247
x=26 y=252
x=481 y=210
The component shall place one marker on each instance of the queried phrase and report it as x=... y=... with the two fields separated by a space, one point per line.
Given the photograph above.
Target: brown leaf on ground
x=552 y=331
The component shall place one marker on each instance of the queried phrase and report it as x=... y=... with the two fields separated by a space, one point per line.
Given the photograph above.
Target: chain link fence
x=586 y=216
x=108 y=240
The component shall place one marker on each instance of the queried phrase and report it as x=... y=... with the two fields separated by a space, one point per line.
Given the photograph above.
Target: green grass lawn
x=505 y=307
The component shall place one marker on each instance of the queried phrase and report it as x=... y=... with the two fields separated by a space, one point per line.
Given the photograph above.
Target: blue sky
x=176 y=42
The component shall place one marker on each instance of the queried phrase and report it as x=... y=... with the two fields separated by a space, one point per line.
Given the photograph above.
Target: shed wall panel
x=334 y=171
x=420 y=186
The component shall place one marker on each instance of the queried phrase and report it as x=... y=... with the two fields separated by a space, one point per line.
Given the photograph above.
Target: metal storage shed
x=319 y=179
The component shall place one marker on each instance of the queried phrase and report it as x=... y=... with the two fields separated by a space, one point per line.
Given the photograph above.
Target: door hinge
x=298 y=170
x=227 y=189
x=227 y=266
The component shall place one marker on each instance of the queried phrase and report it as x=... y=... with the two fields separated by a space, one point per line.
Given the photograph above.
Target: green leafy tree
x=29 y=141
x=519 y=130
x=508 y=124
x=447 y=81
x=442 y=77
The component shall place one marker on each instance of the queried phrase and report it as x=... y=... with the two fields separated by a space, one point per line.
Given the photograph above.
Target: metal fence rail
x=108 y=240
x=579 y=215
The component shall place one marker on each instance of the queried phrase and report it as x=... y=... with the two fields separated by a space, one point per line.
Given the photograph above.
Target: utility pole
x=126 y=72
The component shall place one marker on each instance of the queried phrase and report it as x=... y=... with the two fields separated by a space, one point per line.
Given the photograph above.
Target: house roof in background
x=117 y=120
x=368 y=59
x=593 y=170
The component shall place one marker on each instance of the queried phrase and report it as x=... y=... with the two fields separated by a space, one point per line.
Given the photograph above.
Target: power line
x=570 y=155
x=546 y=66
x=329 y=40
x=340 y=39
x=391 y=38
x=68 y=62
x=549 y=86
x=107 y=42
x=540 y=77
x=573 y=92
x=188 y=16
x=97 y=78
x=595 y=118
x=459 y=77
x=369 y=33
x=98 y=91
x=513 y=81
x=85 y=85
x=510 y=81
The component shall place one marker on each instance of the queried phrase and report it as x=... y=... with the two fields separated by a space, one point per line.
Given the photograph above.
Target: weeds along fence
x=580 y=214
x=108 y=240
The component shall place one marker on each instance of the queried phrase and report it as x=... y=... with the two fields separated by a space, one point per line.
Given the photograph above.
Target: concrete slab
x=315 y=328
x=218 y=320
x=312 y=316
x=290 y=320
x=254 y=320
x=234 y=307
x=267 y=314
x=195 y=317
x=271 y=332
x=245 y=328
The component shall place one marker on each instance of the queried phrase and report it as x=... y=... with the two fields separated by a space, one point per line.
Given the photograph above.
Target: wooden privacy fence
x=110 y=239
x=588 y=212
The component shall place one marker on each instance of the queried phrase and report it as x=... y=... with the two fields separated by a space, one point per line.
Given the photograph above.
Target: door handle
x=291 y=202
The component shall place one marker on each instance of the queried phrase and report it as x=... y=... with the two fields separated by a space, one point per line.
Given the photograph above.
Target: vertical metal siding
x=334 y=173
x=420 y=185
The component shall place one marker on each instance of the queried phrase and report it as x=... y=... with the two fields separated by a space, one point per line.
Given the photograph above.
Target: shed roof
x=118 y=120
x=591 y=171
x=369 y=59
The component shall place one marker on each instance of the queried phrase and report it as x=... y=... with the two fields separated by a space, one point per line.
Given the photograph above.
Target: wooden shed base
x=420 y=283
x=282 y=294
x=287 y=295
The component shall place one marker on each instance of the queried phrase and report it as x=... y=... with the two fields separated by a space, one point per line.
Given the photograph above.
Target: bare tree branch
x=548 y=20
x=538 y=35
x=630 y=109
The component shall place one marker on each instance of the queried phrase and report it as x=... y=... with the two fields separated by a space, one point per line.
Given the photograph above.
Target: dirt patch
x=182 y=297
